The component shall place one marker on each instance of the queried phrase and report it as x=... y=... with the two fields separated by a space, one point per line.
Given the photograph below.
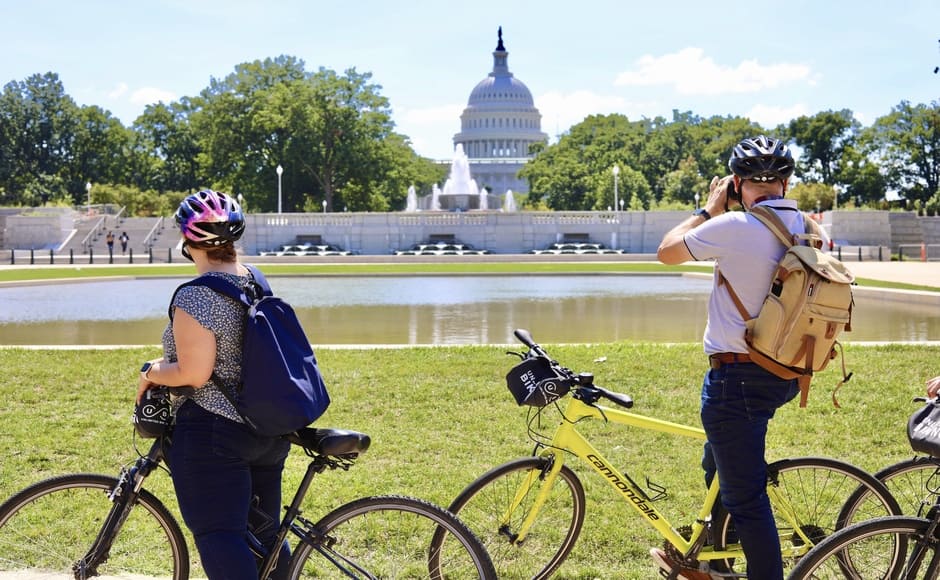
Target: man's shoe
x=667 y=564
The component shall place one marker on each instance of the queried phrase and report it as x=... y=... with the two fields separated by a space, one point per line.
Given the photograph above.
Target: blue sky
x=769 y=61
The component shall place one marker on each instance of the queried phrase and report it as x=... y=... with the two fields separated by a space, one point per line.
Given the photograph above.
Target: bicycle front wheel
x=888 y=547
x=497 y=503
x=47 y=529
x=915 y=483
x=390 y=537
x=812 y=497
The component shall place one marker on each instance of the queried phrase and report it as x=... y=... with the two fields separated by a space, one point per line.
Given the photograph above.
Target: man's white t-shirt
x=746 y=252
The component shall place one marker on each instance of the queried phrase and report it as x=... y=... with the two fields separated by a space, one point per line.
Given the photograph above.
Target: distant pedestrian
x=110 y=241
x=124 y=239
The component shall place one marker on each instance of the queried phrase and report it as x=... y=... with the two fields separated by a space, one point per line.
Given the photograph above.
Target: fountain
x=412 y=203
x=460 y=192
x=459 y=187
x=509 y=202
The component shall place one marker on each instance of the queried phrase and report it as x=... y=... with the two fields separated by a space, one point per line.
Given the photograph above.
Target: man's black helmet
x=761 y=159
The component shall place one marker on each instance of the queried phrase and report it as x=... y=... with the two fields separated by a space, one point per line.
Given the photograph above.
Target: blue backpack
x=281 y=388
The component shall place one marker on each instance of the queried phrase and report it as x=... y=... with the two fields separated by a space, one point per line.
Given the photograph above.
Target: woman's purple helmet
x=210 y=217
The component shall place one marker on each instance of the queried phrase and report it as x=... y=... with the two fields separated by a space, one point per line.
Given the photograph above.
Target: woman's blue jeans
x=738 y=401
x=218 y=465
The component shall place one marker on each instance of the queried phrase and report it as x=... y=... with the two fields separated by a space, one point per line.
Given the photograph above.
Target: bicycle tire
x=391 y=537
x=48 y=527
x=483 y=503
x=818 y=491
x=886 y=547
x=914 y=482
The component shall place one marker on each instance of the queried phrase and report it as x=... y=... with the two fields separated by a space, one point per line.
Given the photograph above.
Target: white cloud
x=150 y=95
x=769 y=116
x=690 y=72
x=118 y=91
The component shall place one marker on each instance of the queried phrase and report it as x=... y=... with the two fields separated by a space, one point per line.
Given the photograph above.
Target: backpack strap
x=769 y=218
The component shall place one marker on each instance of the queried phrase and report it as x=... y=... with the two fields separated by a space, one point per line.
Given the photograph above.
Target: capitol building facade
x=498 y=126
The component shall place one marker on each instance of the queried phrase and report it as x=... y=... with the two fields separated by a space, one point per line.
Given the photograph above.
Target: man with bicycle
x=739 y=397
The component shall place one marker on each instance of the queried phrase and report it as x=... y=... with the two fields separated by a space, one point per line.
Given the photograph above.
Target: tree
x=811 y=196
x=168 y=148
x=37 y=134
x=907 y=144
x=823 y=138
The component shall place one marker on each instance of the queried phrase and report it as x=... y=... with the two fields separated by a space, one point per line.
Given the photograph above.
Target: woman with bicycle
x=218 y=463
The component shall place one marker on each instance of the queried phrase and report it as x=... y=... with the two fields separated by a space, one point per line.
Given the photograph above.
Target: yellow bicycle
x=529 y=511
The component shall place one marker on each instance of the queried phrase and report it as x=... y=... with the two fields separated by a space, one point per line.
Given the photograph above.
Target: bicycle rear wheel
x=391 y=537
x=888 y=547
x=812 y=498
x=487 y=507
x=47 y=529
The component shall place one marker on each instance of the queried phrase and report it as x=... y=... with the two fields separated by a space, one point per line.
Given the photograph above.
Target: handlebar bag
x=534 y=383
x=923 y=429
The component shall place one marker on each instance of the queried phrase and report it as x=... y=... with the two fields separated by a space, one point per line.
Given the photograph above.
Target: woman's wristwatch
x=145 y=370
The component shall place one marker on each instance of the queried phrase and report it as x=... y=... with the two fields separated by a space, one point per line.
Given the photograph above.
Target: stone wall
x=43 y=230
x=499 y=232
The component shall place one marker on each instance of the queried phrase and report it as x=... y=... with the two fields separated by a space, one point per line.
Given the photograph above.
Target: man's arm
x=672 y=250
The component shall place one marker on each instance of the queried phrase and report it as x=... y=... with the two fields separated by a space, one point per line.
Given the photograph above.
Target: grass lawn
x=440 y=416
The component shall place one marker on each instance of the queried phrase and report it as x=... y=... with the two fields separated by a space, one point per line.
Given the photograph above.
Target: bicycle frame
x=567 y=439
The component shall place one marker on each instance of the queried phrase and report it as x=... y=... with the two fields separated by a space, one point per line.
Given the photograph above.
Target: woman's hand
x=145 y=383
x=933 y=387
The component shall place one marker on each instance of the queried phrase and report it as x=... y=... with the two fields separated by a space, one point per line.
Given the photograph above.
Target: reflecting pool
x=426 y=310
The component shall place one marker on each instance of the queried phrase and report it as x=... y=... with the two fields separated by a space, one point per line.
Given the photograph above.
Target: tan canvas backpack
x=808 y=305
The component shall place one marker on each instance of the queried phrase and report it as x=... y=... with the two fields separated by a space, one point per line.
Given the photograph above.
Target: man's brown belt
x=723 y=358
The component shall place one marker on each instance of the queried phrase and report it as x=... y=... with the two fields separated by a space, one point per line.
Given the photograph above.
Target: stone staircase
x=145 y=233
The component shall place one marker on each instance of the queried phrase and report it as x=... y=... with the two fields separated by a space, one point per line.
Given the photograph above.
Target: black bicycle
x=86 y=525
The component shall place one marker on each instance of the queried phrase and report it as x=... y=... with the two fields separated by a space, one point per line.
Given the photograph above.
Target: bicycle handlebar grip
x=524 y=337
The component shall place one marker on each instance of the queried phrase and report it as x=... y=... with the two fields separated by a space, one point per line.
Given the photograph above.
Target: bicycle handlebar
x=584 y=382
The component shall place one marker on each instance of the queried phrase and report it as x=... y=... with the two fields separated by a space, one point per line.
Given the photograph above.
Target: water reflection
x=426 y=310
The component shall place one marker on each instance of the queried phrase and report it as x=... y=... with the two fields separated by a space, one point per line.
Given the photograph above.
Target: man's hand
x=718 y=201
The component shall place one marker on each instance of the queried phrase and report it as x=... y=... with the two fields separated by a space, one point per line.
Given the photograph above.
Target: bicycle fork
x=547 y=476
x=123 y=497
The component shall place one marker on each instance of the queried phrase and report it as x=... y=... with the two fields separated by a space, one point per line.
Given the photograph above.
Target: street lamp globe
x=88 y=190
x=324 y=206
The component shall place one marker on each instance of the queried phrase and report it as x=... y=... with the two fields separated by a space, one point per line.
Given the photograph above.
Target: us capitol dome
x=498 y=126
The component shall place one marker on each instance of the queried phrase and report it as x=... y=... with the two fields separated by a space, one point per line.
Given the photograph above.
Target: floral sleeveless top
x=225 y=318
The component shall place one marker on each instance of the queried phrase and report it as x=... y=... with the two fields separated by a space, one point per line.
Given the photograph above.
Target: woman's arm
x=195 y=350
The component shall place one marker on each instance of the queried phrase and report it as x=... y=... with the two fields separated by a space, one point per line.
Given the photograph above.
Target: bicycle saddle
x=336 y=442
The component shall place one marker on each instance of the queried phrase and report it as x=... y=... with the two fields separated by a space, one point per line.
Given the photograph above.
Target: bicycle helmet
x=761 y=158
x=210 y=217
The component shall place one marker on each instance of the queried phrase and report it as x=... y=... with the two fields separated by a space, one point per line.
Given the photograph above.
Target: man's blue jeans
x=217 y=466
x=738 y=400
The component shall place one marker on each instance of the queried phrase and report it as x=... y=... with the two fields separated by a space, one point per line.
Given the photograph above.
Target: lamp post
x=697 y=197
x=621 y=204
x=88 y=189
x=241 y=201
x=616 y=171
x=279 y=170
x=324 y=206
